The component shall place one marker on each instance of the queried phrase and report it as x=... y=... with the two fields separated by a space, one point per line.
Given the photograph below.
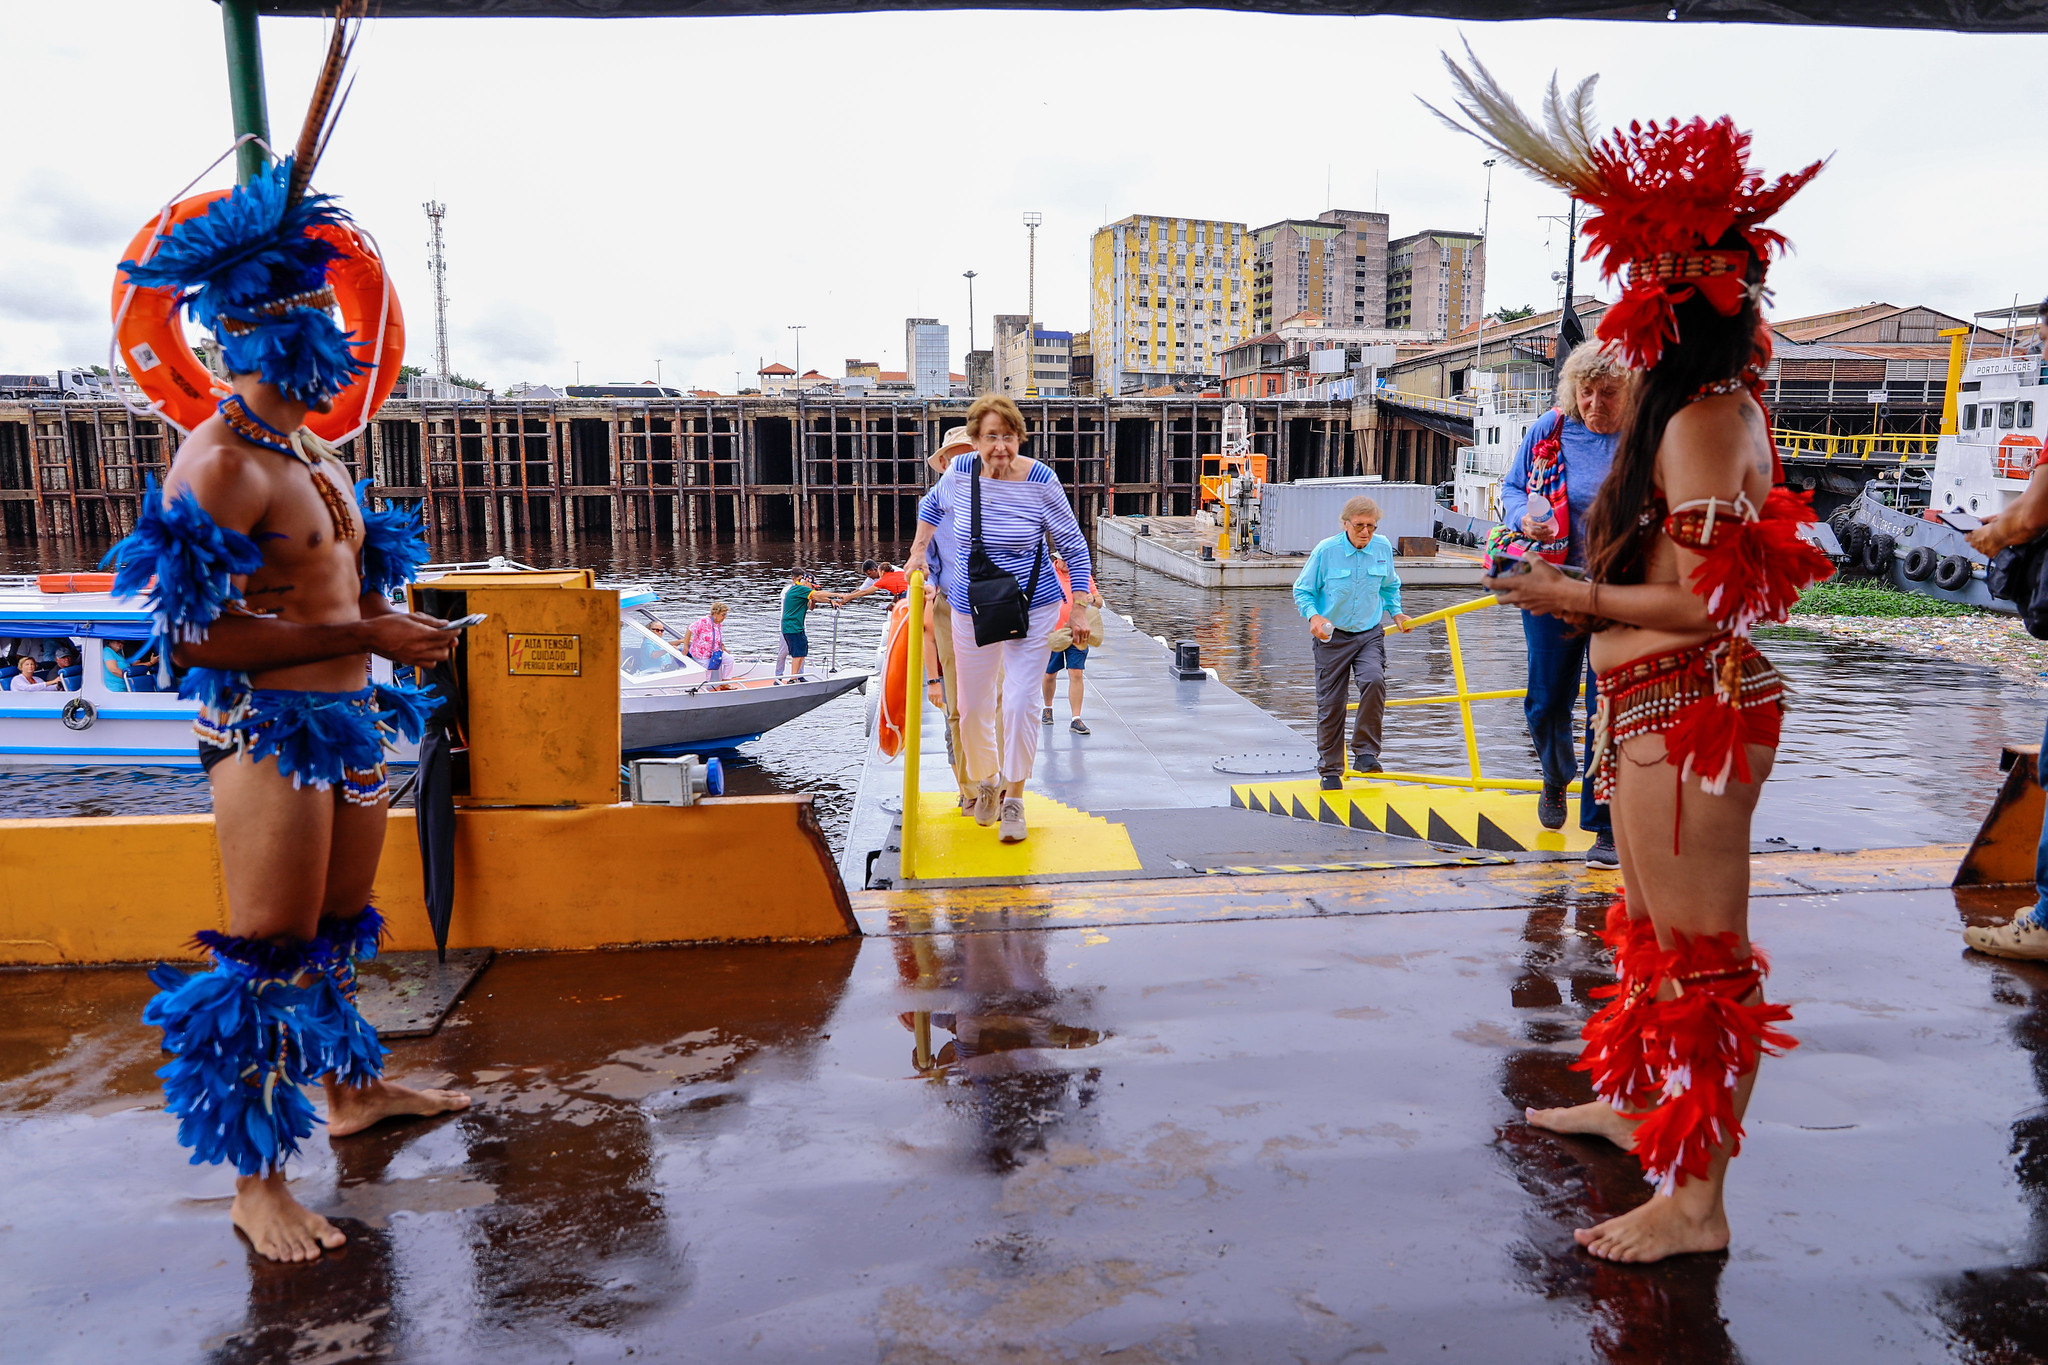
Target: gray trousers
x=1347 y=658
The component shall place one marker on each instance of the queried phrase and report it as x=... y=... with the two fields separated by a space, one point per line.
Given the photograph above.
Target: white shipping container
x=1295 y=517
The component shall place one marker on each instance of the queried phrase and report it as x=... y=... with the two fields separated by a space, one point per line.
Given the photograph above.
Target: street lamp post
x=1485 y=227
x=969 y=275
x=657 y=373
x=1031 y=221
x=798 y=328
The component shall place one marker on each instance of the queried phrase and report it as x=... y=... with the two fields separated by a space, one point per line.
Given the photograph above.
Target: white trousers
x=998 y=697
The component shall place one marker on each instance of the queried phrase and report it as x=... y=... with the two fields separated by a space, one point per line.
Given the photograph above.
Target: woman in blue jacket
x=1574 y=444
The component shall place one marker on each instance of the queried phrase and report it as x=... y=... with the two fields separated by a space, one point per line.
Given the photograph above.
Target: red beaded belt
x=1652 y=694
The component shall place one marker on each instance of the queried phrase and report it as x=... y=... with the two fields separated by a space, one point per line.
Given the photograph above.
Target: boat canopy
x=71 y=628
x=1965 y=16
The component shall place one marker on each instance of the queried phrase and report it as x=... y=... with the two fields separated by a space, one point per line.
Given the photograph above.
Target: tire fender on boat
x=1952 y=573
x=150 y=333
x=1878 y=551
x=1919 y=565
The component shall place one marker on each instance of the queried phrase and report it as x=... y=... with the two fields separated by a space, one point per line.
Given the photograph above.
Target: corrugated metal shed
x=1293 y=517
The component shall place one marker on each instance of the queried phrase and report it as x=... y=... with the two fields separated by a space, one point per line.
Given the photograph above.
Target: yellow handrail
x=1463 y=697
x=1854 y=447
x=913 y=715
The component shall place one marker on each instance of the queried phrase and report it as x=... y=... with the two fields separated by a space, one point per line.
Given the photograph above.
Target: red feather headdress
x=1662 y=194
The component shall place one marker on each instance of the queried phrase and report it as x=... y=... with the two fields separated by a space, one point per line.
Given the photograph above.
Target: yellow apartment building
x=1167 y=296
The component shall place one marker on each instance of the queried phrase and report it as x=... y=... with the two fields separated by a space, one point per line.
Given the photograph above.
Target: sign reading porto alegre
x=557 y=656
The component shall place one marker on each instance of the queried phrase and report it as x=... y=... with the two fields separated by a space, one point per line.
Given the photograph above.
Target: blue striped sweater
x=1015 y=518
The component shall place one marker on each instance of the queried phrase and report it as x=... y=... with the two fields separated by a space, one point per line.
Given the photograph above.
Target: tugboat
x=1500 y=419
x=1993 y=420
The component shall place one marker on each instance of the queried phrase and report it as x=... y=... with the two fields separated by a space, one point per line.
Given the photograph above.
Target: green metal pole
x=245 y=84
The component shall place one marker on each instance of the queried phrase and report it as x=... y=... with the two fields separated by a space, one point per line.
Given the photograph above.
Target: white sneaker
x=969 y=799
x=988 y=804
x=2016 y=939
x=1013 y=830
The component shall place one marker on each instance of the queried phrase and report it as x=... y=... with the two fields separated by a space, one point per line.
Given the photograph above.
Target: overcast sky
x=685 y=190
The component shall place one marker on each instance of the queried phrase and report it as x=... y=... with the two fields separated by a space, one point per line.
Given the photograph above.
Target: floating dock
x=1173 y=546
x=1180 y=778
x=1200 y=1071
x=1243 y=1118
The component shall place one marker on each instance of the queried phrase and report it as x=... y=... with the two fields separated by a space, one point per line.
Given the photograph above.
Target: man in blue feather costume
x=269 y=583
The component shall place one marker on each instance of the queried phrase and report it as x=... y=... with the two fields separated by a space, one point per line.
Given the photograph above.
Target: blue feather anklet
x=240 y=1048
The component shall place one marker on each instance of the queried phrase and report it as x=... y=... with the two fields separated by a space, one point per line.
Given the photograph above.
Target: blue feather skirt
x=320 y=739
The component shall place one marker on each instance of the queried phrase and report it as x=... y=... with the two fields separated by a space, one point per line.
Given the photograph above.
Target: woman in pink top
x=707 y=640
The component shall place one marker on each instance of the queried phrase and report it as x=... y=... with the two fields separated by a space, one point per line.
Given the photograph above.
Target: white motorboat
x=110 y=713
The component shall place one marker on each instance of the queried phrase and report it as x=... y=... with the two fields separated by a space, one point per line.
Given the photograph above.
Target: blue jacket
x=1587 y=458
x=1349 y=586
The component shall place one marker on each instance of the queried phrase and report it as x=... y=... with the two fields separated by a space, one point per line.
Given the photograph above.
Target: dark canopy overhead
x=1969 y=16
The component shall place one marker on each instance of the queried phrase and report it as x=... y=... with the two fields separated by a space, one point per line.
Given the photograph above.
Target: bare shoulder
x=229 y=480
x=1711 y=447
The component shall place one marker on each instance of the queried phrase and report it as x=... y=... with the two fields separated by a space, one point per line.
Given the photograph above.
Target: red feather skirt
x=1709 y=702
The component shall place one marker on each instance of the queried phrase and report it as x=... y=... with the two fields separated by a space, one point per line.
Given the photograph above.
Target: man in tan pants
x=938 y=618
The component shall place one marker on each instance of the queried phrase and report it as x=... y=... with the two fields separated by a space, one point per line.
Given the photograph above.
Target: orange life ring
x=895 y=683
x=75 y=582
x=2016 y=456
x=150 y=334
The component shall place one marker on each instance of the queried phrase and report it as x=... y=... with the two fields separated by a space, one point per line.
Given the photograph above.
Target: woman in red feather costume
x=1692 y=541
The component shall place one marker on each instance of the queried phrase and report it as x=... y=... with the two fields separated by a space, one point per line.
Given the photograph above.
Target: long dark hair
x=1709 y=348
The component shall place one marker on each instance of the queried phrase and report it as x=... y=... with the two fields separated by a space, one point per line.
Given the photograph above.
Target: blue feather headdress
x=251 y=271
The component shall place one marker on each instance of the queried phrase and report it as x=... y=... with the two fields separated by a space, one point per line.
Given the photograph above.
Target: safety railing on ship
x=1877 y=448
x=1462 y=699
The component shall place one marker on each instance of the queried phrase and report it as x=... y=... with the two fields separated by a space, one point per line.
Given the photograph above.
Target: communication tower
x=437 y=263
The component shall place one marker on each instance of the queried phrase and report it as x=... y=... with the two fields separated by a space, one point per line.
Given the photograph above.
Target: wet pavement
x=1282 y=1127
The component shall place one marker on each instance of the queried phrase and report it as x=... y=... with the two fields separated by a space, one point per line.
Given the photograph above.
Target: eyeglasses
x=1001 y=437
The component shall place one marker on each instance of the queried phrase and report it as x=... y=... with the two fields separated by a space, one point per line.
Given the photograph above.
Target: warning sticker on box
x=551 y=656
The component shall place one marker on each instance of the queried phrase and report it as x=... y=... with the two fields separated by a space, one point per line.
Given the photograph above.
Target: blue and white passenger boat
x=109 y=712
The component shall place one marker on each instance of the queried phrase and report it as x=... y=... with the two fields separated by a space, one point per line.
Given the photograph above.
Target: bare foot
x=277 y=1225
x=352 y=1108
x=1655 y=1230
x=1597 y=1119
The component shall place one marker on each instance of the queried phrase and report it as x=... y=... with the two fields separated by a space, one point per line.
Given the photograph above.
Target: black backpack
x=1000 y=608
x=2019 y=574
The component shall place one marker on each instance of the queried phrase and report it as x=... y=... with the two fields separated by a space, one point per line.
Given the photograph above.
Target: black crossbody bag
x=1001 y=609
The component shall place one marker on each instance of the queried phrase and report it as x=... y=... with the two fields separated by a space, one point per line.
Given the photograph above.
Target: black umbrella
x=434 y=811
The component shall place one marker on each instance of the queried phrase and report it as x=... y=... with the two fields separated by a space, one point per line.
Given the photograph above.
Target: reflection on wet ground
x=1293 y=1137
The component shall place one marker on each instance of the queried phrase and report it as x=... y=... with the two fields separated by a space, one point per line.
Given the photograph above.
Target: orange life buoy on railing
x=2016 y=456
x=896 y=695
x=150 y=333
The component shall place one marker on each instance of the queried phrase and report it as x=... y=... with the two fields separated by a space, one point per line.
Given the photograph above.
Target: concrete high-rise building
x=1167 y=296
x=928 y=356
x=1435 y=281
x=981 y=373
x=1042 y=370
x=1334 y=265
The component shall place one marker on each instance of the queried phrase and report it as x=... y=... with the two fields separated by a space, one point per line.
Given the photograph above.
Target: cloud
x=46 y=292
x=51 y=209
x=507 y=340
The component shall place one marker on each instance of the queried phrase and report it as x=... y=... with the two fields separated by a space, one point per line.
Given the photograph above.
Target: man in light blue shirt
x=1345 y=590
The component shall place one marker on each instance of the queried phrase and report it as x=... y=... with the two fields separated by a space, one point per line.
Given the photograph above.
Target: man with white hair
x=1346 y=590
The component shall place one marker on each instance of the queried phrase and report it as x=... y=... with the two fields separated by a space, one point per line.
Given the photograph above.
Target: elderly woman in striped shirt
x=1022 y=505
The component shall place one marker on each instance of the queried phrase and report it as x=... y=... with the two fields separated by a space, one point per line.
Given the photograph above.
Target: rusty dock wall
x=833 y=469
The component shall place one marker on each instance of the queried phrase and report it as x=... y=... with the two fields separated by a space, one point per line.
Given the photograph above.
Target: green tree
x=406 y=372
x=1513 y=314
x=471 y=383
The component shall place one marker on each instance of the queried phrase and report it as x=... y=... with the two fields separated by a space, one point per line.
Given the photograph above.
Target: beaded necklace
x=246 y=424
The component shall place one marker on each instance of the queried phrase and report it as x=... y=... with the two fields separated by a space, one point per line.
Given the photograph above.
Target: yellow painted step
x=1064 y=841
x=1501 y=821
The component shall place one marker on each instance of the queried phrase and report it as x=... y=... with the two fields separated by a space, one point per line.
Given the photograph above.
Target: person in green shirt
x=798 y=598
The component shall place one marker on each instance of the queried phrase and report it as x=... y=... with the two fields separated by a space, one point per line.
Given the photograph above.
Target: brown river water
x=1882 y=749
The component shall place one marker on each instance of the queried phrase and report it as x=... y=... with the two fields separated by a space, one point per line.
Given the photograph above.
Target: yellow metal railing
x=1463 y=698
x=913 y=716
x=1879 y=447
